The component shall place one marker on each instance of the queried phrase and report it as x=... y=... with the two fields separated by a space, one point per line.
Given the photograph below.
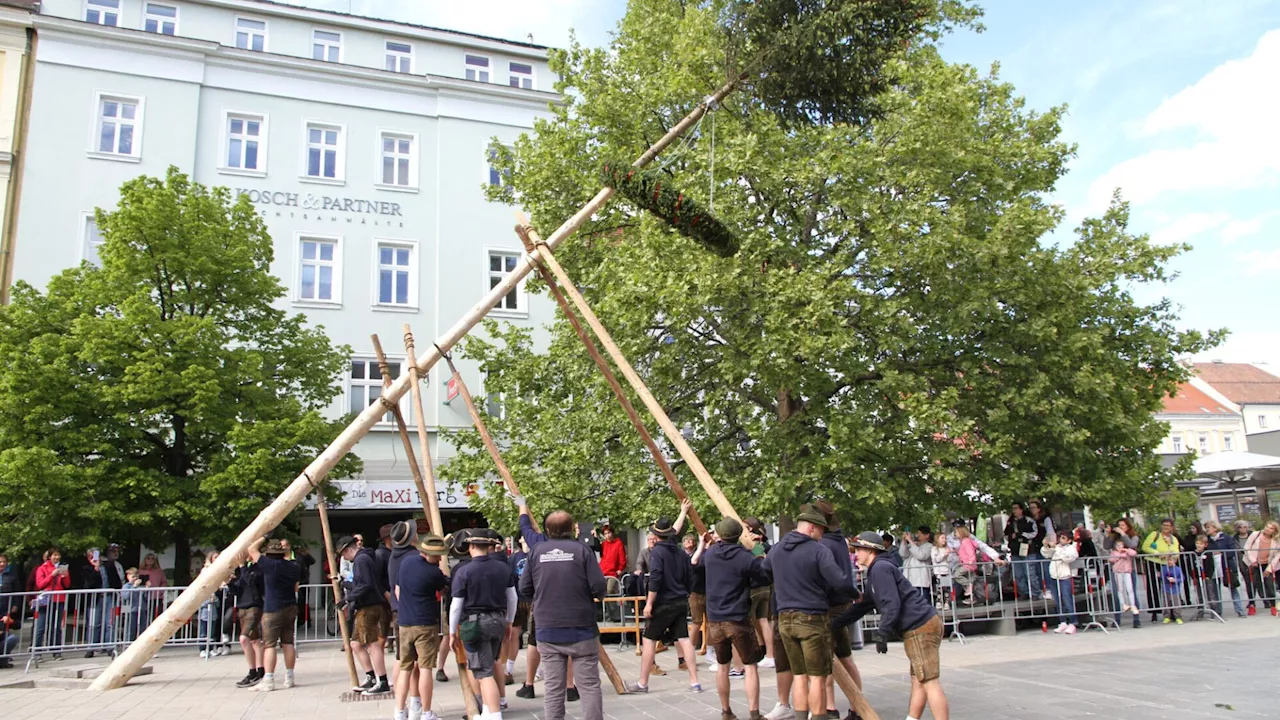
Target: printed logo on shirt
x=556 y=555
x=520 y=566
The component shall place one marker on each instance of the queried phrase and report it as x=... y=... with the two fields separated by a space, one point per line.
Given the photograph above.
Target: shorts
x=388 y=621
x=419 y=646
x=250 y=622
x=277 y=627
x=369 y=621
x=807 y=639
x=842 y=639
x=668 y=622
x=726 y=636
x=760 y=602
x=780 y=662
x=482 y=653
x=523 y=614
x=697 y=609
x=922 y=646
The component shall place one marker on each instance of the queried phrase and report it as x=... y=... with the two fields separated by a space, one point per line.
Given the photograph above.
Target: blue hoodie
x=805 y=575
x=730 y=568
x=835 y=541
x=670 y=574
x=901 y=606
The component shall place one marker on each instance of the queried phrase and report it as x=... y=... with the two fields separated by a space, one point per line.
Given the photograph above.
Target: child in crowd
x=1210 y=576
x=1061 y=552
x=1122 y=575
x=1171 y=588
x=942 y=559
x=966 y=571
x=133 y=598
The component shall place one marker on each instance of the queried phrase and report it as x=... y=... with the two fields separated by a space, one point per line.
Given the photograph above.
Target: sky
x=1174 y=102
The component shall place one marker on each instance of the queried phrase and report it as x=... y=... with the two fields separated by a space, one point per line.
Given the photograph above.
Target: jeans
x=1212 y=595
x=102 y=620
x=49 y=626
x=1066 y=599
x=1021 y=571
x=1237 y=600
x=585 y=656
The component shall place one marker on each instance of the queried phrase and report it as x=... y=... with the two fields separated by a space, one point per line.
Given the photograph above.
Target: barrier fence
x=37 y=626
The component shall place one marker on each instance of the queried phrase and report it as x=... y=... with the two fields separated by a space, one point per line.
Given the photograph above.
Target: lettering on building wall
x=318 y=207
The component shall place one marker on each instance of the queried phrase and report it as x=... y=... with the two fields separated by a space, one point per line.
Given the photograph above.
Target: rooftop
x=1241 y=383
x=1190 y=400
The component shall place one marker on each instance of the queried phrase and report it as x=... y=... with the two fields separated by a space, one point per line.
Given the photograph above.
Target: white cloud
x=1237 y=229
x=1220 y=134
x=1188 y=227
x=1259 y=262
x=1250 y=347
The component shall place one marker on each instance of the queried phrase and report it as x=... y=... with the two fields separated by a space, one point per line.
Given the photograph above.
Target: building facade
x=15 y=44
x=364 y=143
x=1253 y=390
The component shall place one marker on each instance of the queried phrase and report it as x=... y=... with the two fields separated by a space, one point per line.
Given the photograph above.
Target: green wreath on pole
x=653 y=192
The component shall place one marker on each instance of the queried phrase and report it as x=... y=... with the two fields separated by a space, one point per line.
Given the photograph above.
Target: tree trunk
x=181 y=560
x=785 y=409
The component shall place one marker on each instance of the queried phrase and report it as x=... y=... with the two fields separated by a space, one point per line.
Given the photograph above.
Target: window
x=397 y=275
x=161 y=19
x=1262 y=421
x=324 y=151
x=399 y=57
x=1177 y=443
x=119 y=126
x=251 y=34
x=102 y=12
x=319 y=270
x=521 y=76
x=502 y=264
x=246 y=142
x=497 y=177
x=477 y=68
x=91 y=240
x=1226 y=442
x=1204 y=443
x=326 y=46
x=365 y=385
x=495 y=405
x=397 y=160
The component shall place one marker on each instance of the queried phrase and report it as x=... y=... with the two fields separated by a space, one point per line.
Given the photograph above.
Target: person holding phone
x=51 y=604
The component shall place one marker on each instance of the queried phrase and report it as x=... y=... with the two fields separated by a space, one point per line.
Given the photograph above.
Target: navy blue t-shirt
x=517 y=562
x=483 y=583
x=278 y=578
x=420 y=584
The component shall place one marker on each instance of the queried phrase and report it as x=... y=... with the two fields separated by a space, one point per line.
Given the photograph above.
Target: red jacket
x=613 y=557
x=46 y=581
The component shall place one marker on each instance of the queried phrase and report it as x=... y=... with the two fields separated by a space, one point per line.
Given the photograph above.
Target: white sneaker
x=402 y=715
x=288 y=681
x=713 y=666
x=1071 y=630
x=204 y=654
x=265 y=685
x=415 y=708
x=1048 y=595
x=767 y=663
x=429 y=715
x=780 y=712
x=1061 y=628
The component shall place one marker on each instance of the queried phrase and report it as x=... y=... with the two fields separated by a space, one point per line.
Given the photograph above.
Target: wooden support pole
x=401 y=428
x=127 y=663
x=322 y=507
x=665 y=467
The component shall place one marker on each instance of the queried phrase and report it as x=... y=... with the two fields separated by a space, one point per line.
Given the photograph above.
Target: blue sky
x=1176 y=102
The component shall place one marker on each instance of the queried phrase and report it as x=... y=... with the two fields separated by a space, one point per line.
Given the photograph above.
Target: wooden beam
x=334 y=583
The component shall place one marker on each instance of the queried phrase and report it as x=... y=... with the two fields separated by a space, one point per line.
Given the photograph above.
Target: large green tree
x=162 y=398
x=898 y=332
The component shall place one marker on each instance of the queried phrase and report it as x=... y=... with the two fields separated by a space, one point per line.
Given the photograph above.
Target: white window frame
x=266 y=34
x=262 y=119
x=102 y=12
x=1177 y=443
x=95 y=136
x=532 y=75
x=487 y=174
x=414 y=152
x=160 y=19
x=522 y=299
x=348 y=383
x=485 y=401
x=1228 y=440
x=326 y=44
x=1203 y=441
x=340 y=164
x=414 y=273
x=389 y=54
x=298 y=239
x=83 y=234
x=1262 y=420
x=476 y=68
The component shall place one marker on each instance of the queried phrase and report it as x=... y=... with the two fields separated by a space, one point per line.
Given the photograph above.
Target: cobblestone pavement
x=1198 y=670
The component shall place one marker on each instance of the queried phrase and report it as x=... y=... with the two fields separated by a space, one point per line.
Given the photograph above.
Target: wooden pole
x=385 y=370
x=509 y=480
x=469 y=689
x=322 y=507
x=665 y=467
x=127 y=663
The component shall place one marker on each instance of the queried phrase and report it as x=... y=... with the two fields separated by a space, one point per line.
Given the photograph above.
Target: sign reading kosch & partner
x=321 y=203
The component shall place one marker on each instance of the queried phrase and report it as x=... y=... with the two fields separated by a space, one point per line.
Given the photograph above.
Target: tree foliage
x=162 y=398
x=897 y=333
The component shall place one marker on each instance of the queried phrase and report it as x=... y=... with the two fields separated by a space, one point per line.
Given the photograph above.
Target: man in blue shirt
x=667 y=604
x=483 y=606
x=419 y=584
x=280 y=579
x=730 y=570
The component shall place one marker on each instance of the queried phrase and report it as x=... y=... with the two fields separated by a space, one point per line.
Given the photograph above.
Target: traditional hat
x=433 y=545
x=663 y=528
x=274 y=547
x=485 y=536
x=753 y=524
x=869 y=540
x=829 y=512
x=384 y=532
x=810 y=514
x=402 y=534
x=344 y=542
x=729 y=529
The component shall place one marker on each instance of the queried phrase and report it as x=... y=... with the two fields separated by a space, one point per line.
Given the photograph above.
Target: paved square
x=1198 y=670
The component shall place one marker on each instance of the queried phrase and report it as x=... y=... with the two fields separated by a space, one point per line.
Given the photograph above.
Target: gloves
x=341 y=603
x=882 y=645
x=518 y=500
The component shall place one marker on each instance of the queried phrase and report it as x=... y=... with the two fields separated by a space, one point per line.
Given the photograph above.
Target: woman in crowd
x=1243 y=531
x=917 y=556
x=1229 y=561
x=1262 y=556
x=1158 y=545
x=51 y=605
